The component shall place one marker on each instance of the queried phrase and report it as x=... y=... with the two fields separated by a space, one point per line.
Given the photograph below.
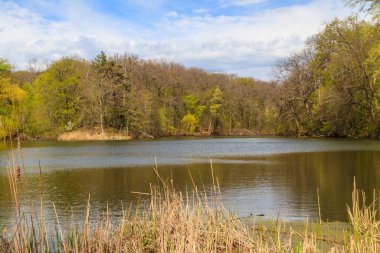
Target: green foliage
x=56 y=95
x=216 y=102
x=100 y=62
x=5 y=67
x=215 y=106
x=106 y=93
x=189 y=124
x=333 y=88
x=165 y=124
x=11 y=98
x=191 y=102
x=193 y=105
x=346 y=45
x=139 y=97
x=163 y=120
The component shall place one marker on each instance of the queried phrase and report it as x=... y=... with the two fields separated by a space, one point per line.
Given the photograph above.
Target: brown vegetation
x=91 y=135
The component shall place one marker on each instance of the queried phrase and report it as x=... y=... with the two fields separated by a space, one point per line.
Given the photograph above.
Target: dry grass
x=82 y=135
x=176 y=221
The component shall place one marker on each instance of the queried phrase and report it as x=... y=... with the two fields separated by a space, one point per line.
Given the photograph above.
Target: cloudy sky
x=246 y=37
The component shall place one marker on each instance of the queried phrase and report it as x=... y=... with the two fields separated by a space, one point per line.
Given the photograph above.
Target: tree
x=141 y=97
x=343 y=49
x=298 y=86
x=369 y=6
x=11 y=97
x=215 y=105
x=5 y=67
x=193 y=107
x=57 y=95
x=105 y=92
x=189 y=123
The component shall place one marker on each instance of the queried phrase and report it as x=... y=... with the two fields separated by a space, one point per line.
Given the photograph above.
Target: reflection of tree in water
x=293 y=179
x=333 y=173
x=6 y=210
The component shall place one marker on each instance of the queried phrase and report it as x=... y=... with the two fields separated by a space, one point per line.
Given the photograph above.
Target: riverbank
x=114 y=134
x=326 y=233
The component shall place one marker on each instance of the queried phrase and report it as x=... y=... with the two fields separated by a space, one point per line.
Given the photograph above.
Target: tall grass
x=175 y=221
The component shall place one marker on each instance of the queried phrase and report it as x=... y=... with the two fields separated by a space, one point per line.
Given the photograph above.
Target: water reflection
x=109 y=154
x=282 y=184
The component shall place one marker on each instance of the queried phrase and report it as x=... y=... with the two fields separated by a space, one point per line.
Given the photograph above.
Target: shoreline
x=115 y=135
x=121 y=137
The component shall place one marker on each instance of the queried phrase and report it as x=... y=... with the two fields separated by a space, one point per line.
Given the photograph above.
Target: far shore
x=81 y=135
x=114 y=135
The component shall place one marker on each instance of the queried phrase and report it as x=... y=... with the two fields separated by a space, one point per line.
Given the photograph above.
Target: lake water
x=270 y=176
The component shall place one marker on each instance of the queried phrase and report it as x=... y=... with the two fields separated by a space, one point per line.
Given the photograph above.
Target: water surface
x=270 y=176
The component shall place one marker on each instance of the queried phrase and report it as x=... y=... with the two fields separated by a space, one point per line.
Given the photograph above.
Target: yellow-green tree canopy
x=5 y=67
x=189 y=123
x=11 y=97
x=56 y=93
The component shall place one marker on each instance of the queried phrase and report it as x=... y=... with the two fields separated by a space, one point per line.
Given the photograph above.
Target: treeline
x=331 y=88
x=134 y=96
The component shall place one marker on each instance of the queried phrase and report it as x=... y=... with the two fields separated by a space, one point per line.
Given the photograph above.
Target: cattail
x=18 y=172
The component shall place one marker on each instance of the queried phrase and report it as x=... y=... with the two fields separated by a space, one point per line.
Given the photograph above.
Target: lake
x=271 y=176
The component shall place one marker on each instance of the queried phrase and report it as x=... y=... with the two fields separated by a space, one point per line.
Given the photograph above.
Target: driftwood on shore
x=145 y=135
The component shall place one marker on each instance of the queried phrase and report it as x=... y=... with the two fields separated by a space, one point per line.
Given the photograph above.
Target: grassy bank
x=175 y=221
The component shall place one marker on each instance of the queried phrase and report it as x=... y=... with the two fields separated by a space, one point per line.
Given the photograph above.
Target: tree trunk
x=101 y=124
x=230 y=122
x=210 y=126
x=296 y=121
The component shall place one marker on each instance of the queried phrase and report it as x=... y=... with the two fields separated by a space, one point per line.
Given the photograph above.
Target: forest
x=330 y=88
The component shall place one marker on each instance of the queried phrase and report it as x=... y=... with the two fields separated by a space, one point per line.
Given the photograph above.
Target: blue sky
x=244 y=37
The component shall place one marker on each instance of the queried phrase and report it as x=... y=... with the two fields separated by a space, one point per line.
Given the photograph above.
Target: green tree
x=215 y=105
x=193 y=105
x=349 y=104
x=5 y=67
x=11 y=97
x=189 y=123
x=57 y=95
x=143 y=97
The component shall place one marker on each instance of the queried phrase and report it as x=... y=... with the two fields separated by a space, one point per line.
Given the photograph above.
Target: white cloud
x=200 y=11
x=172 y=14
x=237 y=44
x=226 y=3
x=234 y=44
